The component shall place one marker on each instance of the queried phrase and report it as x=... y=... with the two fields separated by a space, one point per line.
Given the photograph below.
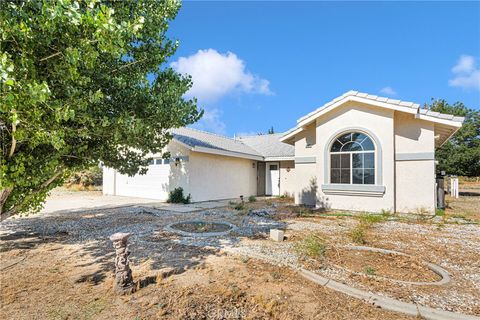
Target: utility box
x=277 y=235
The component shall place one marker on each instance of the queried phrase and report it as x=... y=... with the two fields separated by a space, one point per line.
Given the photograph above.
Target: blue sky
x=262 y=64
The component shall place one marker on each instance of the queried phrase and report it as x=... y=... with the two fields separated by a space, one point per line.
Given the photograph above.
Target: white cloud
x=466 y=73
x=211 y=122
x=388 y=91
x=465 y=64
x=215 y=74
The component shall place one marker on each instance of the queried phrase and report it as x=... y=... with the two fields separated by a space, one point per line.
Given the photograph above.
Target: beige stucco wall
x=219 y=177
x=306 y=184
x=379 y=122
x=306 y=142
x=179 y=173
x=287 y=178
x=415 y=179
x=415 y=186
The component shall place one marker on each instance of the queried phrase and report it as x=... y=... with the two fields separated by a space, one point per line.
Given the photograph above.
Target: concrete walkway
x=62 y=200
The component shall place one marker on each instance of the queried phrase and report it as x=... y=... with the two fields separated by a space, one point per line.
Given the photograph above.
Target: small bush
x=312 y=246
x=84 y=179
x=245 y=259
x=176 y=196
x=369 y=219
x=239 y=206
x=252 y=199
x=370 y=271
x=386 y=213
x=359 y=234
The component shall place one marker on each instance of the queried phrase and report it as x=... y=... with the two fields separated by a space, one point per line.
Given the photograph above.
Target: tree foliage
x=82 y=82
x=460 y=155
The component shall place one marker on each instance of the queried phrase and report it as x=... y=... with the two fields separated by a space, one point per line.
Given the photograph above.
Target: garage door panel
x=152 y=185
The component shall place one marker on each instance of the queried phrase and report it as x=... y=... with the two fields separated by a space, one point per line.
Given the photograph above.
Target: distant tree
x=81 y=82
x=271 y=131
x=460 y=155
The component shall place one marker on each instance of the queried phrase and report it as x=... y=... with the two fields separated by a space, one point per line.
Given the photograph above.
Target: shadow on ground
x=88 y=233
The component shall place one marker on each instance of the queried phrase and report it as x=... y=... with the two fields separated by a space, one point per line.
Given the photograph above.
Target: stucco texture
x=415 y=179
x=408 y=186
x=287 y=178
x=214 y=177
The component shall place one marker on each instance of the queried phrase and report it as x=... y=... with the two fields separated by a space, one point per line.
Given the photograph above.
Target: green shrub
x=252 y=199
x=359 y=234
x=386 y=213
x=312 y=246
x=176 y=196
x=85 y=178
x=239 y=206
x=370 y=271
x=369 y=219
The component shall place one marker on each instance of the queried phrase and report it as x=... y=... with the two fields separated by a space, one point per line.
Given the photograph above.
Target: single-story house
x=211 y=167
x=357 y=152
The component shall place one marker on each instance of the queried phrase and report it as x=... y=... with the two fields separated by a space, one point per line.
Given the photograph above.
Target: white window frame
x=350 y=153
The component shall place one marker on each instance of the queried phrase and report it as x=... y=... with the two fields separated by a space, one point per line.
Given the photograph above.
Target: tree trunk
x=3 y=198
x=16 y=208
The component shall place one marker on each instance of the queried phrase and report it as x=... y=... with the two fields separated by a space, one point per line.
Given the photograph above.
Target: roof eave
x=291 y=134
x=283 y=158
x=321 y=111
x=227 y=153
x=455 y=124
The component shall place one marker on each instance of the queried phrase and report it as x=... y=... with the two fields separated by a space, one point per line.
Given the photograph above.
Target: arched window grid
x=352 y=159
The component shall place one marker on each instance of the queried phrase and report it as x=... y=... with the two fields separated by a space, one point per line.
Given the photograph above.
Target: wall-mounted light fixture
x=177 y=161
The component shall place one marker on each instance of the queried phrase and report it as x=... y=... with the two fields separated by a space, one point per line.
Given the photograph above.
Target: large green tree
x=82 y=82
x=460 y=155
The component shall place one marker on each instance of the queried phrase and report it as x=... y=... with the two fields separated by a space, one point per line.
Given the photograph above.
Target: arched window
x=352 y=159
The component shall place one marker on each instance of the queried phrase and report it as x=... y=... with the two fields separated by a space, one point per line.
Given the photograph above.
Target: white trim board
x=418 y=156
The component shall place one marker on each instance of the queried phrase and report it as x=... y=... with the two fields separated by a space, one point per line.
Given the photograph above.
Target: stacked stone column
x=123 y=274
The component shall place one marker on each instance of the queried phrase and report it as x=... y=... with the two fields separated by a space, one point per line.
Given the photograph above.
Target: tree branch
x=129 y=64
x=14 y=141
x=6 y=192
x=3 y=198
x=51 y=56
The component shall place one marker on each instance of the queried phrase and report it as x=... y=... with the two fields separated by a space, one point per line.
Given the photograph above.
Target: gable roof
x=447 y=124
x=269 y=145
x=255 y=148
x=197 y=140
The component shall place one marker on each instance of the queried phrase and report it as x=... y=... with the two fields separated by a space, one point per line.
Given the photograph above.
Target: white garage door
x=152 y=185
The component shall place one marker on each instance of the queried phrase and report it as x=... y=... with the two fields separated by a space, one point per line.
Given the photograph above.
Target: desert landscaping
x=215 y=260
x=168 y=159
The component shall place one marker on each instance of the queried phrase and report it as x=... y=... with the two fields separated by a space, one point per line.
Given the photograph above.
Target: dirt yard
x=60 y=265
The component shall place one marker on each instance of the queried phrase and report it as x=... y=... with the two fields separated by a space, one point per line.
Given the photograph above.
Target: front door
x=272 y=181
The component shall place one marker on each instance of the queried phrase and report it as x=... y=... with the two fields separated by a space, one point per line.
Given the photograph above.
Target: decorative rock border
x=170 y=228
x=435 y=268
x=384 y=302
